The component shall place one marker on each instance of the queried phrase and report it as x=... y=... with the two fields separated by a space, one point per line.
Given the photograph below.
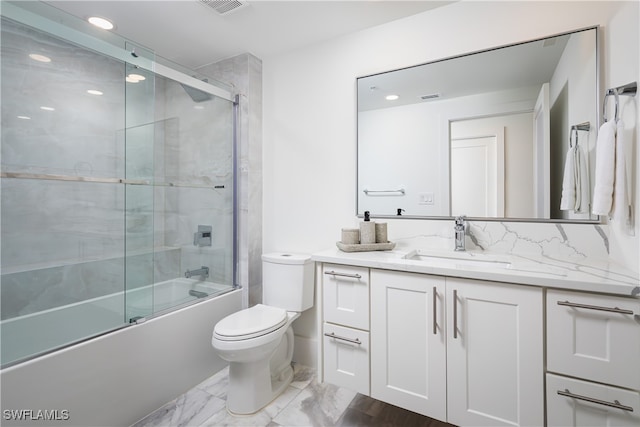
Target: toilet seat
x=250 y=323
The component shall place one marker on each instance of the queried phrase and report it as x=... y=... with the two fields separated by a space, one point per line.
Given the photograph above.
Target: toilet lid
x=250 y=323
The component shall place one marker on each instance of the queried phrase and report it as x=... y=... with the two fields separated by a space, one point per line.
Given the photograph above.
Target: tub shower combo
x=117 y=185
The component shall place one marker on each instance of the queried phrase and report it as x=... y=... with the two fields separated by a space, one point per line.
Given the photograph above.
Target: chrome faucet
x=203 y=272
x=459 y=233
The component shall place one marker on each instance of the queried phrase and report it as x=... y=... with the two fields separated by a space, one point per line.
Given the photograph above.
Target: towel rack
x=629 y=89
x=400 y=191
x=586 y=126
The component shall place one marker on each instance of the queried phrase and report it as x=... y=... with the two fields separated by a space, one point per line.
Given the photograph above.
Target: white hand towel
x=583 y=192
x=605 y=167
x=568 y=198
x=621 y=208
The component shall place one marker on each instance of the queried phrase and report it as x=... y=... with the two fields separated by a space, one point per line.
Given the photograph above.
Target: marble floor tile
x=316 y=405
x=304 y=403
x=217 y=384
x=191 y=409
x=302 y=376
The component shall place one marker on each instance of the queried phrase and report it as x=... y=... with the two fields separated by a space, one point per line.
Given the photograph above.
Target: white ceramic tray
x=365 y=247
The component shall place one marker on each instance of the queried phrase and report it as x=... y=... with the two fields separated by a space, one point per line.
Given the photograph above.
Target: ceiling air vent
x=224 y=7
x=430 y=96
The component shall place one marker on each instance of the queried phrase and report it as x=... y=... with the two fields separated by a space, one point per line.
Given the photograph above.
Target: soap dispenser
x=367 y=230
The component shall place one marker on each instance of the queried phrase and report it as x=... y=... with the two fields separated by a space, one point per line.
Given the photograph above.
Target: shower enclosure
x=117 y=184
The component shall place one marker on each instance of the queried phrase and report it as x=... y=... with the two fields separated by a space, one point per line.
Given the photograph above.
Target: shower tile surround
x=244 y=73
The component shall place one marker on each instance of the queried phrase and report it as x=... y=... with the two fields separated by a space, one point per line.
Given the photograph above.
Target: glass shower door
x=194 y=197
x=139 y=134
x=61 y=198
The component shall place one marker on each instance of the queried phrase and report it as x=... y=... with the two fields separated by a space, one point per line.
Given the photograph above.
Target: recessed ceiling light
x=45 y=108
x=103 y=23
x=39 y=58
x=198 y=107
x=24 y=117
x=391 y=97
x=94 y=92
x=135 y=78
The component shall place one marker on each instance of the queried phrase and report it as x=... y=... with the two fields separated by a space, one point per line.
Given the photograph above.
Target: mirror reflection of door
x=477 y=175
x=541 y=155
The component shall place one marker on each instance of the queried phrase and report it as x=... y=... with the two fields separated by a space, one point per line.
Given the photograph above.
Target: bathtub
x=124 y=374
x=64 y=325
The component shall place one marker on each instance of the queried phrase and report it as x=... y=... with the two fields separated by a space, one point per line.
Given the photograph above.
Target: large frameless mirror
x=484 y=135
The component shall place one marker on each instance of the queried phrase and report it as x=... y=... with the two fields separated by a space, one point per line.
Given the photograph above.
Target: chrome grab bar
x=615 y=404
x=338 y=337
x=595 y=307
x=399 y=190
x=335 y=273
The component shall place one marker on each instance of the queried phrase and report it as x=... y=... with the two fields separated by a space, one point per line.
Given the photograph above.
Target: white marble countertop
x=586 y=275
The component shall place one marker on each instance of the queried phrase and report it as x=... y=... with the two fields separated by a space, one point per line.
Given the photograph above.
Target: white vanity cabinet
x=495 y=370
x=468 y=352
x=346 y=326
x=595 y=339
x=408 y=342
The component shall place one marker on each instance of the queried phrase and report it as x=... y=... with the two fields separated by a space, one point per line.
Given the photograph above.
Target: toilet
x=258 y=341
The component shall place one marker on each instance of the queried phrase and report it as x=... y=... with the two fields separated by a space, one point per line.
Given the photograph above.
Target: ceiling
x=193 y=34
x=512 y=67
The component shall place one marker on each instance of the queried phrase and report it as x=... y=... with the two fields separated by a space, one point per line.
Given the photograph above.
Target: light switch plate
x=426 y=199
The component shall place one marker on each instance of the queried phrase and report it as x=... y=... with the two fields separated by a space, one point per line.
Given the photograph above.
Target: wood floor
x=364 y=411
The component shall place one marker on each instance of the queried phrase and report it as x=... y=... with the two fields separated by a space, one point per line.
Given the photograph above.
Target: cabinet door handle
x=335 y=273
x=338 y=337
x=455 y=314
x=595 y=307
x=614 y=404
x=435 y=306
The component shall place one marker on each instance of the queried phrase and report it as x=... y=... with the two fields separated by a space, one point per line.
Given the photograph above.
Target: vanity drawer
x=594 y=337
x=346 y=357
x=572 y=402
x=346 y=295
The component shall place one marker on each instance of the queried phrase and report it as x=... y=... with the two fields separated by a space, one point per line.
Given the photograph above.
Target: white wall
x=310 y=102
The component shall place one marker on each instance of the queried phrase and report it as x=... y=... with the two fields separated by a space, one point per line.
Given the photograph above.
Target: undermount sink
x=457 y=259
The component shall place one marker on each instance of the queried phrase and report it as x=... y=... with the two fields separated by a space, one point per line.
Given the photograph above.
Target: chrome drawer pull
x=595 y=307
x=338 y=337
x=335 y=273
x=615 y=403
x=455 y=314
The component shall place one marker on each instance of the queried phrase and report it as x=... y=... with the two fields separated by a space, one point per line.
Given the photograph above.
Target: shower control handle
x=203 y=236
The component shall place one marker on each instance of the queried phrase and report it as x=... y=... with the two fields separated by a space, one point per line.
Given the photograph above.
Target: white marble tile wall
x=244 y=72
x=574 y=242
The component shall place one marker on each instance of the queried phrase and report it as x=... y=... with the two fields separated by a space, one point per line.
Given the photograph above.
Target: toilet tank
x=288 y=281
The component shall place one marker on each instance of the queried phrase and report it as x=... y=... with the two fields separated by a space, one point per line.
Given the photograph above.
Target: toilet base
x=252 y=386
x=248 y=409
